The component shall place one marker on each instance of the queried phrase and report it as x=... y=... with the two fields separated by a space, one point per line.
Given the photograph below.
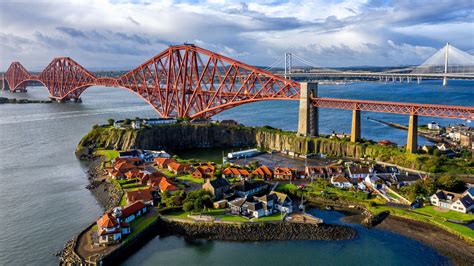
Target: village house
x=283 y=203
x=247 y=207
x=143 y=195
x=109 y=230
x=204 y=171
x=433 y=125
x=284 y=173
x=263 y=172
x=232 y=172
x=333 y=170
x=405 y=179
x=248 y=188
x=256 y=207
x=457 y=202
x=130 y=212
x=124 y=167
x=112 y=226
x=163 y=162
x=167 y=185
x=114 y=174
x=268 y=203
x=134 y=173
x=359 y=172
x=133 y=160
x=340 y=181
x=216 y=187
x=315 y=171
x=177 y=168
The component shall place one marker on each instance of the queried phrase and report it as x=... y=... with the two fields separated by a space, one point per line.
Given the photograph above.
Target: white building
x=159 y=121
x=457 y=202
x=433 y=125
x=340 y=181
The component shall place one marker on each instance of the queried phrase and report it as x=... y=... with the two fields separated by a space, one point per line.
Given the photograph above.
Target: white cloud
x=101 y=33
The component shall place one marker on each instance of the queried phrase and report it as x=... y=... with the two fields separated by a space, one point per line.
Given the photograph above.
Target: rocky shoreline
x=255 y=231
x=458 y=250
x=108 y=195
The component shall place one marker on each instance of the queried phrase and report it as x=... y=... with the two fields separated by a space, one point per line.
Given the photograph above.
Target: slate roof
x=219 y=182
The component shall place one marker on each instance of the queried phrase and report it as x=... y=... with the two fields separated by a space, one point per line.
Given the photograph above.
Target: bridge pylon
x=308 y=124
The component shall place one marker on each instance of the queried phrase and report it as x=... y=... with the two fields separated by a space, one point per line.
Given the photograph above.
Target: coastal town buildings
x=232 y=172
x=216 y=187
x=248 y=188
x=263 y=172
x=454 y=201
x=341 y=181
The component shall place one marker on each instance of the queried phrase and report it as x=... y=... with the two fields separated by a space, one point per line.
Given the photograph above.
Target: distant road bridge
x=189 y=81
x=448 y=63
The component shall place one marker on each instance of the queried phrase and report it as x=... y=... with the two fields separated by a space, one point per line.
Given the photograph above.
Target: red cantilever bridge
x=189 y=81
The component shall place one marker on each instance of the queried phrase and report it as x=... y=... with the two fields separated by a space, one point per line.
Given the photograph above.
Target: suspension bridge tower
x=446 y=56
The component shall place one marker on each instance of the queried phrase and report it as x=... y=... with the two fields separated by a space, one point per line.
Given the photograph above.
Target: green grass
x=189 y=177
x=285 y=187
x=390 y=194
x=123 y=200
x=274 y=217
x=133 y=186
x=109 y=154
x=220 y=214
x=453 y=215
x=140 y=224
x=136 y=188
x=437 y=219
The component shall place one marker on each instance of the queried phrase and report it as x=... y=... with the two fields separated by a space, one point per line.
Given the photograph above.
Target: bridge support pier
x=445 y=81
x=355 y=129
x=308 y=115
x=412 y=139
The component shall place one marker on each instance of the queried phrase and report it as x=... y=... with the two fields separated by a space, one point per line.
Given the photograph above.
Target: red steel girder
x=445 y=111
x=189 y=81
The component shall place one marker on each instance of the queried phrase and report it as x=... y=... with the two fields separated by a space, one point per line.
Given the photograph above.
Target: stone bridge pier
x=308 y=114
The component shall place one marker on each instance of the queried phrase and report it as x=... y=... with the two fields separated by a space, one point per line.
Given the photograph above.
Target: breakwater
x=255 y=231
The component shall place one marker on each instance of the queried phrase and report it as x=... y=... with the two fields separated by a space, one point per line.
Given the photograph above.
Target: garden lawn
x=140 y=224
x=453 y=215
x=109 y=154
x=274 y=217
x=191 y=178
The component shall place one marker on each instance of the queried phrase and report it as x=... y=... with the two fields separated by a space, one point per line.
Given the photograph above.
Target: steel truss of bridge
x=189 y=81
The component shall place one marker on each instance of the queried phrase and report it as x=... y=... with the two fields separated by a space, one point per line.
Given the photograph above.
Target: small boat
x=329 y=208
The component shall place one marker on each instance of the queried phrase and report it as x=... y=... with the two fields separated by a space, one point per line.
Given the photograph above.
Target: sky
x=121 y=34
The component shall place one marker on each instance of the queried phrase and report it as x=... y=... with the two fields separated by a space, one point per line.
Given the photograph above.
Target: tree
x=188 y=206
x=127 y=121
x=110 y=121
x=453 y=184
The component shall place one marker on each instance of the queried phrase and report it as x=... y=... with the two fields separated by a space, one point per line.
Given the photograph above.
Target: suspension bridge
x=189 y=81
x=447 y=63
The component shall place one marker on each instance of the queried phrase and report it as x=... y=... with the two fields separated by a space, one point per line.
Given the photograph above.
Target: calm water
x=44 y=202
x=370 y=247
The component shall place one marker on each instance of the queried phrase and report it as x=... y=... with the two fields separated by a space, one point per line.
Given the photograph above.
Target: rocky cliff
x=187 y=136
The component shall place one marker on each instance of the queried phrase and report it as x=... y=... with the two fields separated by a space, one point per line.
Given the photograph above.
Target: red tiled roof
x=235 y=171
x=339 y=179
x=262 y=170
x=176 y=166
x=107 y=220
x=163 y=161
x=166 y=185
x=132 y=208
x=141 y=194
